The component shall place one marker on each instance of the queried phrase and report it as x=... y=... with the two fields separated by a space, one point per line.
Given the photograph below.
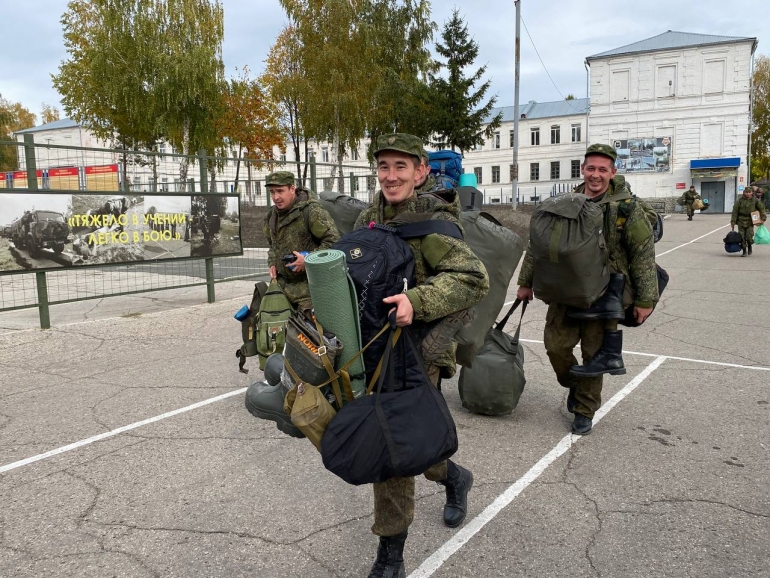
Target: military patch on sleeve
x=434 y=248
x=638 y=231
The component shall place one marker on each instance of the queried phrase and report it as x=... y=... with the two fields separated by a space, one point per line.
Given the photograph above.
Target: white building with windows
x=677 y=108
x=551 y=147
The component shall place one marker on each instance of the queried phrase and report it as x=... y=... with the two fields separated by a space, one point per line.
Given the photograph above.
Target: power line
x=545 y=68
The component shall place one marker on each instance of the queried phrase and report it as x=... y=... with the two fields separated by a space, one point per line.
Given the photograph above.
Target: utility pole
x=515 y=177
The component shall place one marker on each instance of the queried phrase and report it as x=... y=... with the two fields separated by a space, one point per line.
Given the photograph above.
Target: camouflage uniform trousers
x=690 y=210
x=747 y=234
x=394 y=498
x=561 y=335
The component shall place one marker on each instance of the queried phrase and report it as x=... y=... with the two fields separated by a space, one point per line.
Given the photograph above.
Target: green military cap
x=401 y=142
x=280 y=179
x=602 y=149
x=425 y=154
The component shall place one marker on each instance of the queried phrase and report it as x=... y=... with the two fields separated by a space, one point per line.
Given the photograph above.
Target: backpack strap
x=429 y=227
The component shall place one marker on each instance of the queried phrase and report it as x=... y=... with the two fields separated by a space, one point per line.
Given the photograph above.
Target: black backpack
x=733 y=242
x=381 y=264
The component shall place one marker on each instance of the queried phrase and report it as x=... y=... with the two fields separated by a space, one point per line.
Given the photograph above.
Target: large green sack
x=569 y=251
x=762 y=236
x=343 y=209
x=335 y=305
x=275 y=310
x=500 y=249
x=494 y=384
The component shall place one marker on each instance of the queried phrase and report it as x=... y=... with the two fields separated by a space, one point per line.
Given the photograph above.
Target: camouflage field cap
x=602 y=149
x=280 y=179
x=401 y=142
x=425 y=155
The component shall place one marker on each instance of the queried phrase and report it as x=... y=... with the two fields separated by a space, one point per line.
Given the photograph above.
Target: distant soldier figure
x=294 y=224
x=427 y=182
x=759 y=194
x=689 y=198
x=741 y=216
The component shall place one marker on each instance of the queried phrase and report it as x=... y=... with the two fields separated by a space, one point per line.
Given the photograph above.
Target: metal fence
x=36 y=168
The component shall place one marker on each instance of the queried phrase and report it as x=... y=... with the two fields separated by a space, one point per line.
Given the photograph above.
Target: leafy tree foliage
x=760 y=137
x=289 y=89
x=49 y=114
x=458 y=116
x=249 y=121
x=13 y=117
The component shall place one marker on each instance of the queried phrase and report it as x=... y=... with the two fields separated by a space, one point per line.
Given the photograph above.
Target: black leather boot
x=749 y=248
x=609 y=359
x=608 y=306
x=390 y=557
x=744 y=251
x=458 y=483
x=265 y=401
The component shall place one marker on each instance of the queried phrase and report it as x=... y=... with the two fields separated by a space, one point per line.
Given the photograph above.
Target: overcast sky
x=564 y=32
x=13 y=205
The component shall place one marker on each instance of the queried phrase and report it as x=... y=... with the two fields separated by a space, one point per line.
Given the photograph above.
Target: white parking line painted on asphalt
x=704 y=361
x=120 y=430
x=693 y=241
x=437 y=559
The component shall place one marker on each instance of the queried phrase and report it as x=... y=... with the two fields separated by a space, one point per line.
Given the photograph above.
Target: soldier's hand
x=297 y=266
x=732 y=227
x=525 y=293
x=403 y=308
x=273 y=272
x=641 y=313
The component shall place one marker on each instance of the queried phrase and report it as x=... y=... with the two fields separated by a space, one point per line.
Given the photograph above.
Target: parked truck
x=40 y=229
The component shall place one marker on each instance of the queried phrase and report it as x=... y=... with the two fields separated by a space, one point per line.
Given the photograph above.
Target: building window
x=534 y=171
x=496 y=174
x=555 y=134
x=324 y=155
x=534 y=137
x=575 y=169
x=480 y=146
x=555 y=170
x=477 y=172
x=283 y=157
x=354 y=155
x=575 y=133
x=620 y=85
x=162 y=150
x=496 y=140
x=665 y=84
x=513 y=174
x=511 y=138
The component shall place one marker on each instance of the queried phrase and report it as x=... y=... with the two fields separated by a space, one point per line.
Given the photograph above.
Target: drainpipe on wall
x=751 y=116
x=588 y=96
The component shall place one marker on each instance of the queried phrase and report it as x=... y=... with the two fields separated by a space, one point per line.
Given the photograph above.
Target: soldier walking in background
x=294 y=224
x=689 y=198
x=741 y=216
x=634 y=281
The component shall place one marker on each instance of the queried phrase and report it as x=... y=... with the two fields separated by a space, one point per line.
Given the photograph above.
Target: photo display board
x=58 y=230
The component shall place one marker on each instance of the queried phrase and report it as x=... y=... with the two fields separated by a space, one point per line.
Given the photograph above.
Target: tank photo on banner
x=643 y=155
x=51 y=231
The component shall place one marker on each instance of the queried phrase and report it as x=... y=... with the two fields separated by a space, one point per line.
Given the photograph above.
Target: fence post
x=352 y=184
x=40 y=278
x=203 y=164
x=313 y=184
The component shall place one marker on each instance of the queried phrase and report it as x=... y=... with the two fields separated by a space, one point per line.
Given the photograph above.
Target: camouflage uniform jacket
x=689 y=197
x=448 y=276
x=305 y=226
x=428 y=185
x=743 y=208
x=630 y=243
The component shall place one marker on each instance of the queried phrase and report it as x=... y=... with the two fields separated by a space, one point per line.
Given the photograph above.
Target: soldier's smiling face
x=597 y=171
x=397 y=173
x=283 y=196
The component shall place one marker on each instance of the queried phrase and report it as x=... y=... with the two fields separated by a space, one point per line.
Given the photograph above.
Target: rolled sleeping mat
x=336 y=307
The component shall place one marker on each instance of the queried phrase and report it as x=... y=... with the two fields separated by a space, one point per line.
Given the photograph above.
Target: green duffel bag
x=275 y=310
x=494 y=384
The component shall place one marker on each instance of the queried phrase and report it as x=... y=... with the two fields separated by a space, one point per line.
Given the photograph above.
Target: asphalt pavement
x=125 y=450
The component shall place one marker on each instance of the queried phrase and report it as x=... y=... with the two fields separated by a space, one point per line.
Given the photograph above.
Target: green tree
x=49 y=114
x=142 y=71
x=290 y=89
x=458 y=117
x=760 y=136
x=570 y=96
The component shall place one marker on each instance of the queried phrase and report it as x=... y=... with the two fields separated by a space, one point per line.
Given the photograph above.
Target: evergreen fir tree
x=457 y=118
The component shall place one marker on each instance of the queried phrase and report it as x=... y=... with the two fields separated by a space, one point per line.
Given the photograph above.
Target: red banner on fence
x=63 y=172
x=101 y=169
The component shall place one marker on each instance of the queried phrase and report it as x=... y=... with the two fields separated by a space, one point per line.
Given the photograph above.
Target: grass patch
x=7 y=262
x=129 y=315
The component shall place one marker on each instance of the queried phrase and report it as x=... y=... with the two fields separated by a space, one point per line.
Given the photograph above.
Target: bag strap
x=429 y=227
x=322 y=353
x=378 y=370
x=501 y=324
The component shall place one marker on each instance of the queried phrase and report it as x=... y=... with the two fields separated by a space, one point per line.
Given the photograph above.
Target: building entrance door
x=715 y=193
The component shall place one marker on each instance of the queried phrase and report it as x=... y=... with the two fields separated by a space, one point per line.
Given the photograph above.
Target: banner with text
x=59 y=230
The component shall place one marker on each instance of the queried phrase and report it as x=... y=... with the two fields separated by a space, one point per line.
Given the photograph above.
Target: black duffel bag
x=396 y=431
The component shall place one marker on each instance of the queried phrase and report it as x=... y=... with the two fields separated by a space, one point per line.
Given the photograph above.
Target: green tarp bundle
x=336 y=307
